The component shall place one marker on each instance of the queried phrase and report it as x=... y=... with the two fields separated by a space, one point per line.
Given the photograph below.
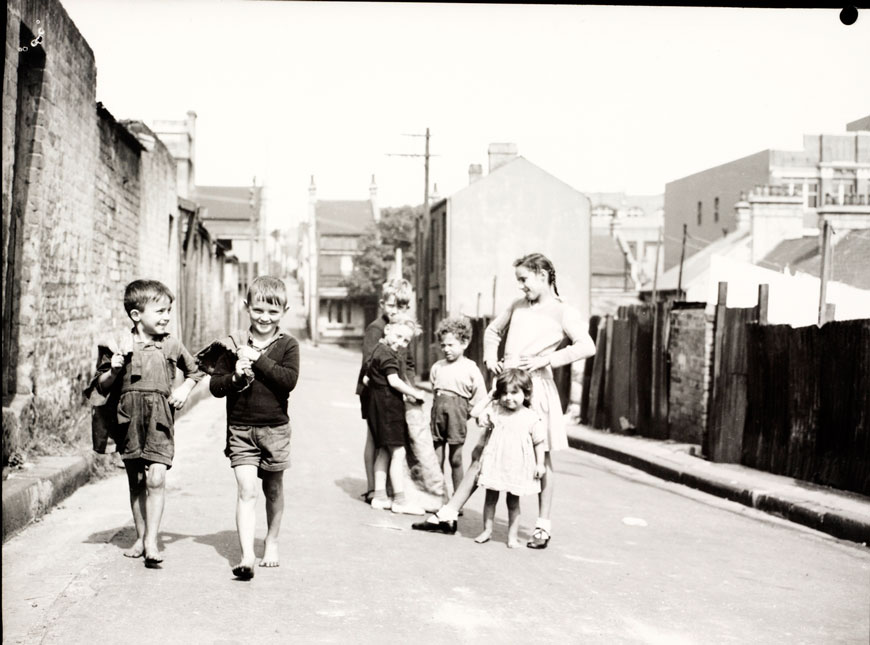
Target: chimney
x=742 y=214
x=500 y=154
x=373 y=198
x=475 y=172
x=775 y=215
x=434 y=196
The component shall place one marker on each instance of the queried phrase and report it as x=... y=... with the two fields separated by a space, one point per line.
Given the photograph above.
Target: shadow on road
x=225 y=543
x=353 y=486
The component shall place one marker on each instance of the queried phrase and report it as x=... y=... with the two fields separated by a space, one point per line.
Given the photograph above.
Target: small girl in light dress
x=513 y=459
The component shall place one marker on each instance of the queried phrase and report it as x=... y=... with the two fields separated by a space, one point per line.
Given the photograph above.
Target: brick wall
x=86 y=209
x=690 y=343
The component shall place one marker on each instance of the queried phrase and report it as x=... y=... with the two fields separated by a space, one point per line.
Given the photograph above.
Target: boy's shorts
x=267 y=447
x=449 y=418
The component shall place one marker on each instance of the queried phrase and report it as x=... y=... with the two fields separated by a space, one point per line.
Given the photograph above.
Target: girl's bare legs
x=456 y=464
x=369 y=458
x=246 y=479
x=467 y=486
x=545 y=497
x=397 y=461
x=155 y=496
x=136 y=484
x=513 y=504
x=488 y=515
x=273 y=489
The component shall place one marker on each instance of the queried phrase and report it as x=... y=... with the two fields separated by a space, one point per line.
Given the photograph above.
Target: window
x=700 y=213
x=715 y=209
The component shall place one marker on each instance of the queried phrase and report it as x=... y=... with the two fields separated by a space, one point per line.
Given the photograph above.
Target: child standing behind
x=396 y=296
x=387 y=412
x=457 y=385
x=513 y=459
x=135 y=403
x=257 y=386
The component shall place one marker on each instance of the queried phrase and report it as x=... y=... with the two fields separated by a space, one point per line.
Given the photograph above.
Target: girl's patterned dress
x=508 y=460
x=537 y=330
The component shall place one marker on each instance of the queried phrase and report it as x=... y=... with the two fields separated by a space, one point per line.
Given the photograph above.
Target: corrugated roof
x=606 y=256
x=343 y=217
x=850 y=260
x=698 y=264
x=228 y=202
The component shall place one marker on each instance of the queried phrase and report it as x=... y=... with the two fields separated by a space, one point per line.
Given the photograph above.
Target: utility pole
x=252 y=202
x=825 y=273
x=682 y=256
x=421 y=224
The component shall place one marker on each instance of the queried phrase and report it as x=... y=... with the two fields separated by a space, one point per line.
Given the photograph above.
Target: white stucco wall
x=516 y=209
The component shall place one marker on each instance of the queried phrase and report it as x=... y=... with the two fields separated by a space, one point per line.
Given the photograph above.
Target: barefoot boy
x=134 y=403
x=458 y=385
x=257 y=385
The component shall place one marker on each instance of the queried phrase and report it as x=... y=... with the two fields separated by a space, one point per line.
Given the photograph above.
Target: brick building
x=829 y=167
x=89 y=203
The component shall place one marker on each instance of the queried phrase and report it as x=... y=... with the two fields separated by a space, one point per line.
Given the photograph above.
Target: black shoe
x=441 y=526
x=539 y=540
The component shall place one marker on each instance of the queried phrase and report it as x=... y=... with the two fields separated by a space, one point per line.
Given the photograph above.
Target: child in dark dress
x=387 y=413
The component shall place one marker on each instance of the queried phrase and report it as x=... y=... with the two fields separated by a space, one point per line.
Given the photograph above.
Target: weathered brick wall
x=690 y=343
x=89 y=209
x=51 y=145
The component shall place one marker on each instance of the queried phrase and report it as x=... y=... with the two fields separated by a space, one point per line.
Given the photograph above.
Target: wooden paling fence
x=808 y=403
x=626 y=389
x=789 y=401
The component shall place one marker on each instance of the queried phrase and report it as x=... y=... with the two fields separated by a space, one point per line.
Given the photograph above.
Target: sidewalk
x=839 y=513
x=46 y=481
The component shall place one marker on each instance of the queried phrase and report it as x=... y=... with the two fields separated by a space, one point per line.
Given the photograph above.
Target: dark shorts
x=449 y=418
x=267 y=447
x=386 y=416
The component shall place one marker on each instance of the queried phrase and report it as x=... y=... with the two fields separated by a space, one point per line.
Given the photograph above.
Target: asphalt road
x=633 y=559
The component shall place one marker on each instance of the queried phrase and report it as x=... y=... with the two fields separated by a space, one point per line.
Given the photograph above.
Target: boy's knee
x=273 y=489
x=456 y=458
x=155 y=478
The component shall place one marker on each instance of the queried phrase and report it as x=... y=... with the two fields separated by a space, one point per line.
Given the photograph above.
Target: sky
x=605 y=98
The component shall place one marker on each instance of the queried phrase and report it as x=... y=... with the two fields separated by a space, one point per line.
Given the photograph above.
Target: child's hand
x=532 y=363
x=179 y=396
x=117 y=363
x=540 y=470
x=243 y=368
x=496 y=367
x=365 y=380
x=248 y=352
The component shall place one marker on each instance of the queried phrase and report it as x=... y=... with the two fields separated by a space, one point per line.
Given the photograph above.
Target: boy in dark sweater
x=257 y=382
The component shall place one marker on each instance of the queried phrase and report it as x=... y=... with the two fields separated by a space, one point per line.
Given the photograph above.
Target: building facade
x=830 y=167
x=329 y=243
x=233 y=216
x=468 y=246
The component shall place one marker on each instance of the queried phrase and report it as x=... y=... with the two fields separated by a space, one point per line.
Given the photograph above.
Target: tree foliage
x=377 y=247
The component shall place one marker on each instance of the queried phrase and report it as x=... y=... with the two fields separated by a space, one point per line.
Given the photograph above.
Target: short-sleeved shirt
x=384 y=361
x=461 y=377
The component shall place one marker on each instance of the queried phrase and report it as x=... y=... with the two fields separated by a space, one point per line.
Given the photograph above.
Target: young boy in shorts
x=257 y=385
x=458 y=386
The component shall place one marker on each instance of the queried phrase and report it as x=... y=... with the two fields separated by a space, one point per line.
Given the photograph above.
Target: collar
x=154 y=342
x=279 y=334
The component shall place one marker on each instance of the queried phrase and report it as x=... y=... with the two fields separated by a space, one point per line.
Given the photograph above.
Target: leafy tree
x=378 y=251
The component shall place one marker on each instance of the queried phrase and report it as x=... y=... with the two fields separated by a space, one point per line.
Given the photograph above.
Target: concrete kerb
x=839 y=523
x=30 y=493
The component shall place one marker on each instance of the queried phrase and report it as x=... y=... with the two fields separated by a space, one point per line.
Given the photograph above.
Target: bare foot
x=153 y=558
x=483 y=537
x=270 y=556
x=135 y=551
x=514 y=544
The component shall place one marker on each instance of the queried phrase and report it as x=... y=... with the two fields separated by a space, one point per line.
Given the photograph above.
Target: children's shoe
x=408 y=509
x=382 y=504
